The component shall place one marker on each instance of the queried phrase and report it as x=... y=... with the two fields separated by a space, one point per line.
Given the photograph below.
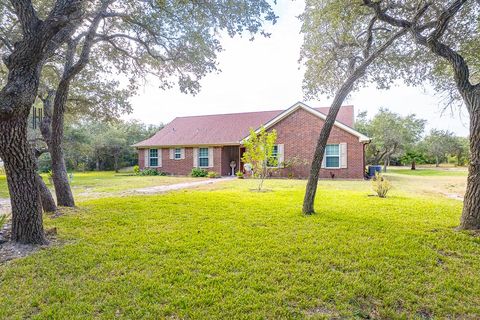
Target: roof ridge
x=247 y=112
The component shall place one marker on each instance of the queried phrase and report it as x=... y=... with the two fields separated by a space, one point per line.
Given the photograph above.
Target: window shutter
x=343 y=155
x=182 y=152
x=159 y=157
x=146 y=157
x=281 y=155
x=195 y=157
x=172 y=153
x=210 y=157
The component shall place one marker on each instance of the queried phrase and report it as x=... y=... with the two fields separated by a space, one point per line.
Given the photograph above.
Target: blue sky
x=265 y=75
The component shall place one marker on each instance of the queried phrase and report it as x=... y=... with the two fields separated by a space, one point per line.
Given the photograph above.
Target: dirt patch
x=10 y=250
x=178 y=186
x=454 y=196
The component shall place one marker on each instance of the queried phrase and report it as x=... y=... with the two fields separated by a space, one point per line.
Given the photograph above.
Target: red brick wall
x=299 y=133
x=182 y=166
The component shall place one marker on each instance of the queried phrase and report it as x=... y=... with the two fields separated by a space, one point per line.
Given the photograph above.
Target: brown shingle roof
x=221 y=129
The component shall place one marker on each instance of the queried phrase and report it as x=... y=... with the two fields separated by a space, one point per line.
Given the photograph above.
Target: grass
x=227 y=253
x=430 y=172
x=3 y=187
x=106 y=183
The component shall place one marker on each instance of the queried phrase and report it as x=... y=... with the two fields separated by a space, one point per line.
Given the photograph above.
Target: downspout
x=364 y=161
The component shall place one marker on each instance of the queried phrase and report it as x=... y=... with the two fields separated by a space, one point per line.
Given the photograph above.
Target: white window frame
x=276 y=156
x=150 y=158
x=177 y=152
x=203 y=157
x=333 y=156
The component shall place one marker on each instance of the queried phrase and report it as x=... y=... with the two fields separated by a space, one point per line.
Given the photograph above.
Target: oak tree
x=175 y=41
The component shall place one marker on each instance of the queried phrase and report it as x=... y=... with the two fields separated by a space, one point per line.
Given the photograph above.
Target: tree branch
x=27 y=16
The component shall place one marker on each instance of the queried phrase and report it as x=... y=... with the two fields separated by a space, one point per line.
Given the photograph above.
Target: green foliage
x=413 y=156
x=239 y=174
x=438 y=144
x=391 y=133
x=136 y=169
x=152 y=172
x=213 y=175
x=199 y=173
x=394 y=258
x=259 y=153
x=103 y=145
x=381 y=185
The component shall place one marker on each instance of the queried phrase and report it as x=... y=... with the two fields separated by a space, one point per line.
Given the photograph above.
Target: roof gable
x=315 y=112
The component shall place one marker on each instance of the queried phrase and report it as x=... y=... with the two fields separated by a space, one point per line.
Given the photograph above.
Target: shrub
x=149 y=172
x=199 y=173
x=2 y=171
x=239 y=174
x=381 y=185
x=136 y=170
x=213 y=174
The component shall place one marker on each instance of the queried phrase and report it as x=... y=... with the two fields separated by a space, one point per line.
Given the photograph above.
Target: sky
x=265 y=74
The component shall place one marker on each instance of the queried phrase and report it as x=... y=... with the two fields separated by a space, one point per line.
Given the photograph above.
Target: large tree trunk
x=311 y=190
x=48 y=203
x=60 y=179
x=341 y=94
x=414 y=165
x=20 y=166
x=59 y=169
x=471 y=205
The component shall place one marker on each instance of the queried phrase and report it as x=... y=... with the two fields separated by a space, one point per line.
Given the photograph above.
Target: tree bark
x=470 y=219
x=48 y=203
x=20 y=166
x=414 y=165
x=311 y=190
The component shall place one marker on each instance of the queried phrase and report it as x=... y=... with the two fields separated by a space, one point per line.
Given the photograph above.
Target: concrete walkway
x=5 y=206
x=179 y=186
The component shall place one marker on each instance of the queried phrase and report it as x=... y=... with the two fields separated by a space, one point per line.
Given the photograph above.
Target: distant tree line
x=401 y=140
x=94 y=145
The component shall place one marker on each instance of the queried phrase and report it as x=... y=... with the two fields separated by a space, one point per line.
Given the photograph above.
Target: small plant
x=239 y=174
x=50 y=177
x=149 y=172
x=259 y=153
x=381 y=185
x=199 y=173
x=136 y=170
x=213 y=175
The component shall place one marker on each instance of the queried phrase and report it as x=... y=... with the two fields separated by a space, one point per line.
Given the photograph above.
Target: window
x=203 y=157
x=178 y=153
x=332 y=156
x=153 y=158
x=273 y=161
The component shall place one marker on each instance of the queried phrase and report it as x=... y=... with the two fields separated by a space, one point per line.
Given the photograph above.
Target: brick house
x=213 y=142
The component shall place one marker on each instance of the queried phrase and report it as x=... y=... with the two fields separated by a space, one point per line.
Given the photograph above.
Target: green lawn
x=430 y=172
x=225 y=252
x=100 y=184
x=3 y=187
